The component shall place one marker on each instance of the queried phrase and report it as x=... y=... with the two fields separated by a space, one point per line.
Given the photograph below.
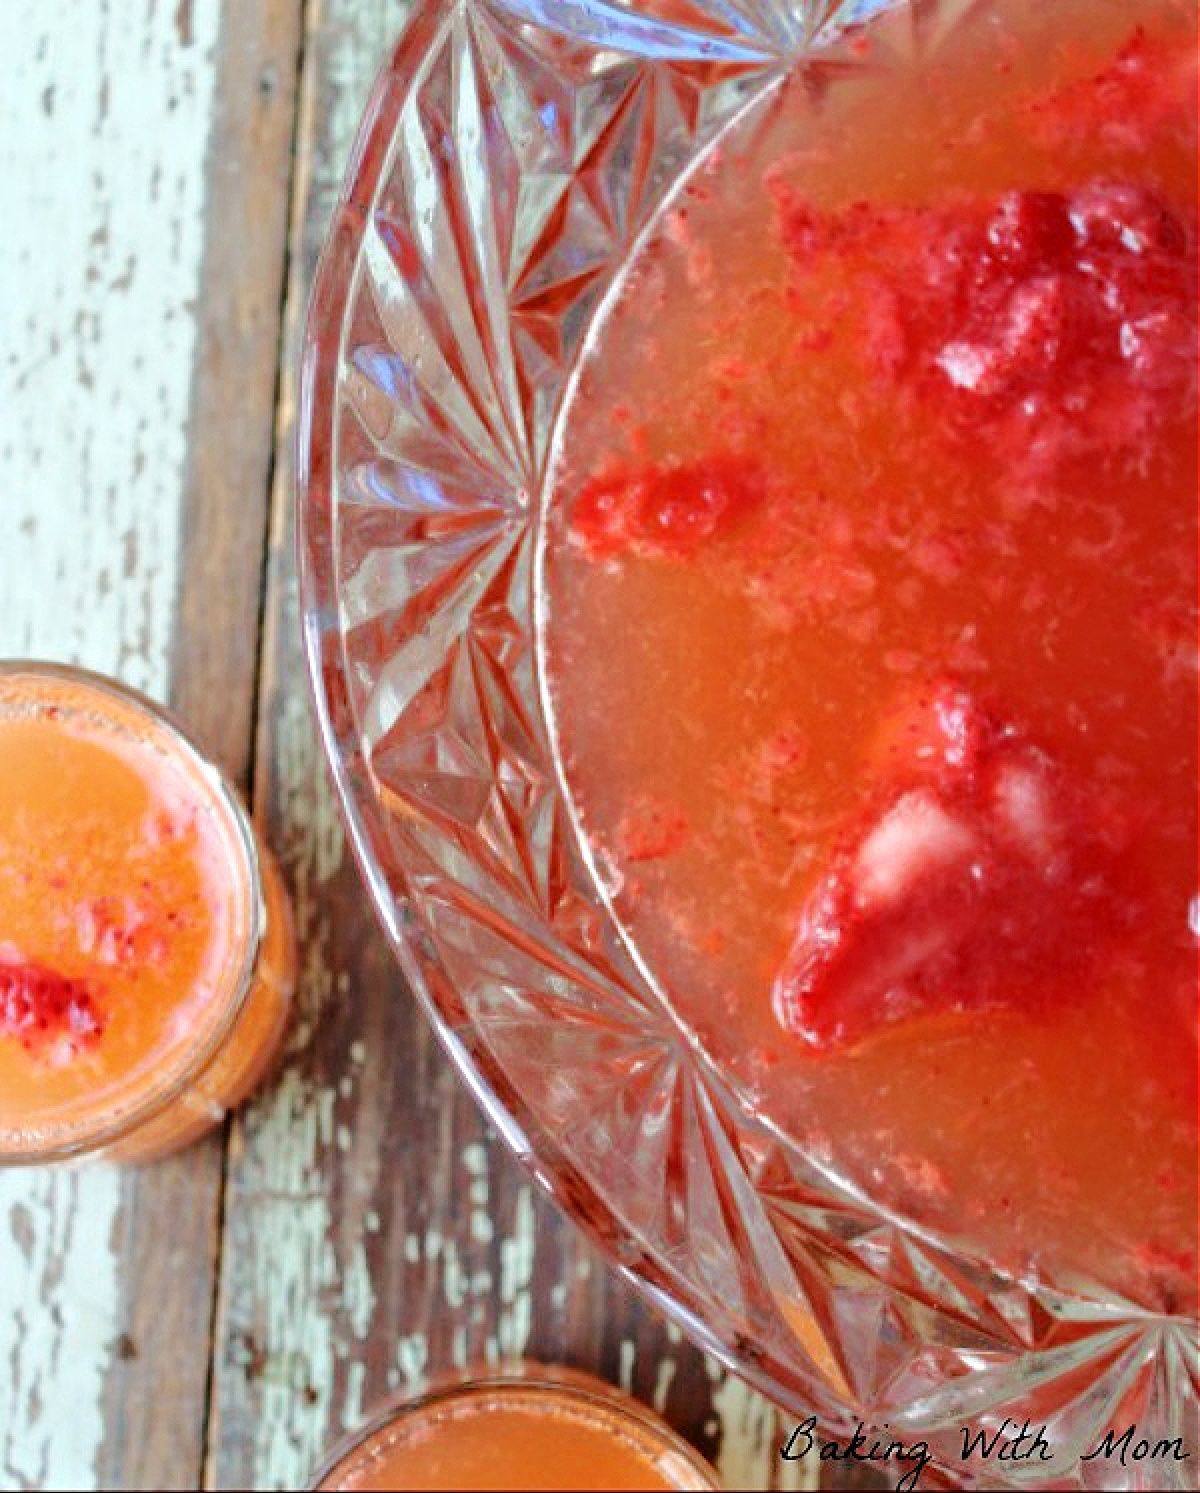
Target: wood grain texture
x=104 y=122
x=230 y=445
x=156 y=1399
x=140 y=351
x=377 y=1233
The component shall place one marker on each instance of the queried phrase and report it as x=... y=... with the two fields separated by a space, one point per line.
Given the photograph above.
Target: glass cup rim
x=83 y=1139
x=583 y=1388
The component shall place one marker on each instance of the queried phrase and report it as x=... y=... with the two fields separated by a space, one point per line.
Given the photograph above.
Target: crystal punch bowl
x=673 y=696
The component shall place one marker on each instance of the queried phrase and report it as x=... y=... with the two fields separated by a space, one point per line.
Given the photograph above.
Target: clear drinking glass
x=171 y=1061
x=526 y=1426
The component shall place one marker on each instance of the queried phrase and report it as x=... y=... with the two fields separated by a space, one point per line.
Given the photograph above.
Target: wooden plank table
x=167 y=169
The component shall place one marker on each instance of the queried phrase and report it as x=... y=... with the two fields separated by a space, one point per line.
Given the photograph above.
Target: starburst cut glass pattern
x=511 y=160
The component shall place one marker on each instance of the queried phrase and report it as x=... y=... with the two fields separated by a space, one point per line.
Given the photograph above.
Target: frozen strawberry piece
x=1053 y=325
x=1031 y=327
x=1030 y=230
x=44 y=1009
x=936 y=732
x=1052 y=305
x=981 y=874
x=1114 y=216
x=665 y=509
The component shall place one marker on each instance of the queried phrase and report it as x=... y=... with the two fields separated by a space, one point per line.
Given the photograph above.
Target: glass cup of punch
x=748 y=557
x=147 y=954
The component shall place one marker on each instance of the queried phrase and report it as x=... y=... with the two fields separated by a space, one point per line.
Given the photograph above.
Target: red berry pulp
x=43 y=1009
x=140 y=992
x=871 y=623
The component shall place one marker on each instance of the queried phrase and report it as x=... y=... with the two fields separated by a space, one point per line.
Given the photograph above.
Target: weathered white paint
x=105 y=128
x=475 y=1164
x=58 y=1320
x=104 y=124
x=750 y=1440
x=664 y=1376
x=747 y=1426
x=312 y=1306
x=312 y=1303
x=626 y=1364
x=515 y=1316
x=412 y=1363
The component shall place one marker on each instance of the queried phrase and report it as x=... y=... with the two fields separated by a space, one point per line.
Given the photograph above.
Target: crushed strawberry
x=42 y=1009
x=1056 y=326
x=664 y=510
x=979 y=869
x=934 y=731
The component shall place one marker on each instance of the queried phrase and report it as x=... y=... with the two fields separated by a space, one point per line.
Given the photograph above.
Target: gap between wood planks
x=733 y=1403
x=234 y=426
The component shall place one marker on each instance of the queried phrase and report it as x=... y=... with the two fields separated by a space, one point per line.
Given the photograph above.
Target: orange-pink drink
x=871 y=625
x=145 y=940
x=537 y=1429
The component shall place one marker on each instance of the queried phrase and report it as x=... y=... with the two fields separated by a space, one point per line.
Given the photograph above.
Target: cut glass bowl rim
x=497 y=1096
x=531 y=1143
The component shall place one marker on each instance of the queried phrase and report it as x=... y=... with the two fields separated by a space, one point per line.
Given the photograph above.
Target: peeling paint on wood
x=58 y=1323
x=125 y=137
x=104 y=120
x=103 y=132
x=752 y=1432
